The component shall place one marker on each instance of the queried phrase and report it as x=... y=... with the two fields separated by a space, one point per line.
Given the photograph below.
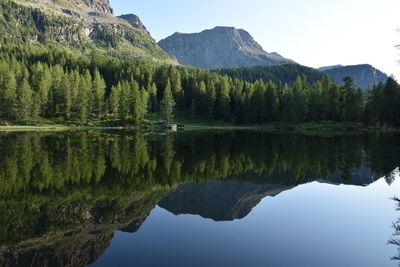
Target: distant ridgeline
x=235 y=53
x=75 y=199
x=287 y=73
x=365 y=76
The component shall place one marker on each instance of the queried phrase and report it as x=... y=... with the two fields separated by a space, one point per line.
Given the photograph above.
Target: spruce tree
x=153 y=101
x=24 y=100
x=211 y=99
x=144 y=103
x=223 y=99
x=124 y=101
x=83 y=98
x=115 y=100
x=98 y=92
x=8 y=95
x=168 y=104
x=135 y=103
x=67 y=96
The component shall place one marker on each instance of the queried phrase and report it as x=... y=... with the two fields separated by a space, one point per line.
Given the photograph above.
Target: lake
x=201 y=198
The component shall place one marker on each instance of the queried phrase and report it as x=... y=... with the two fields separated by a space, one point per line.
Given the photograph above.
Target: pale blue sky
x=312 y=32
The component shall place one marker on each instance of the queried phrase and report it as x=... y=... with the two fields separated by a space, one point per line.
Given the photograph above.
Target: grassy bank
x=189 y=123
x=27 y=128
x=315 y=127
x=33 y=128
x=309 y=127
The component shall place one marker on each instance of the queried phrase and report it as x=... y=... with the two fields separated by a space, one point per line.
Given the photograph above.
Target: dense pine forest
x=40 y=84
x=286 y=73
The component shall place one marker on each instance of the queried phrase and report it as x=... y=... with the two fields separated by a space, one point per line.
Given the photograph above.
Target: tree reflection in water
x=395 y=240
x=62 y=195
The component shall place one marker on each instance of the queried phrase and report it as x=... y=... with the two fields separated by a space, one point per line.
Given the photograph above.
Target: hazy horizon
x=313 y=33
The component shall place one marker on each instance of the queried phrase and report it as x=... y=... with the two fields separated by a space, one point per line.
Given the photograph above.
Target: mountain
x=279 y=73
x=231 y=200
x=134 y=21
x=218 y=200
x=358 y=177
x=221 y=47
x=365 y=76
x=329 y=67
x=85 y=25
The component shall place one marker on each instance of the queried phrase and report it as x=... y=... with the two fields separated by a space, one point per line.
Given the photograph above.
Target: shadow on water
x=63 y=195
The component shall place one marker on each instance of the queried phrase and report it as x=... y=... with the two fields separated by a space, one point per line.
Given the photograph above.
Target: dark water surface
x=198 y=199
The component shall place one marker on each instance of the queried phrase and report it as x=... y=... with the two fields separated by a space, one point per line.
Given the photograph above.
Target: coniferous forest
x=41 y=84
x=123 y=146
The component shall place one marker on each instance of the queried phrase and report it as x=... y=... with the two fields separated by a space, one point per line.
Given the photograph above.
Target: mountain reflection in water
x=63 y=195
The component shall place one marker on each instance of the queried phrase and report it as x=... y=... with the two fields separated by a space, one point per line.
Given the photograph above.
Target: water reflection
x=63 y=195
x=219 y=200
x=396 y=225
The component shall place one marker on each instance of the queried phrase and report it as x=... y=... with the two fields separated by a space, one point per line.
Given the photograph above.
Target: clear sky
x=312 y=32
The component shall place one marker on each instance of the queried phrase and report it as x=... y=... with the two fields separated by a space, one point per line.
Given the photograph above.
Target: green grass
x=151 y=123
x=25 y=128
x=322 y=127
x=284 y=127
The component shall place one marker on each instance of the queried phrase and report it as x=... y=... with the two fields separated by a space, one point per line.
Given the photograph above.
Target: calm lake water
x=198 y=199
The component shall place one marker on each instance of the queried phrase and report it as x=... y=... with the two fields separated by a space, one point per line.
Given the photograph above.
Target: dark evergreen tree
x=168 y=104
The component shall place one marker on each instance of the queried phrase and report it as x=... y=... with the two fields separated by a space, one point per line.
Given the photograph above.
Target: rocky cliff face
x=221 y=47
x=365 y=76
x=98 y=5
x=102 y=6
x=134 y=21
x=79 y=24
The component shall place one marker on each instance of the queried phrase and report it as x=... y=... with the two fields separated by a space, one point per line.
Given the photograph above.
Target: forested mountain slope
x=365 y=76
x=87 y=26
x=279 y=73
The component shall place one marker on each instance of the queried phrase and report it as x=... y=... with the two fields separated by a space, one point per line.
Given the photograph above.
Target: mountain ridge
x=287 y=73
x=219 y=200
x=365 y=75
x=325 y=68
x=220 y=47
x=85 y=25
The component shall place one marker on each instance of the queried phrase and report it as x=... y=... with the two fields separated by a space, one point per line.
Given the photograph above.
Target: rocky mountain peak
x=220 y=47
x=134 y=21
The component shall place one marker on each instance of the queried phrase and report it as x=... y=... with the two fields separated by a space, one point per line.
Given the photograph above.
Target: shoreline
x=317 y=127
